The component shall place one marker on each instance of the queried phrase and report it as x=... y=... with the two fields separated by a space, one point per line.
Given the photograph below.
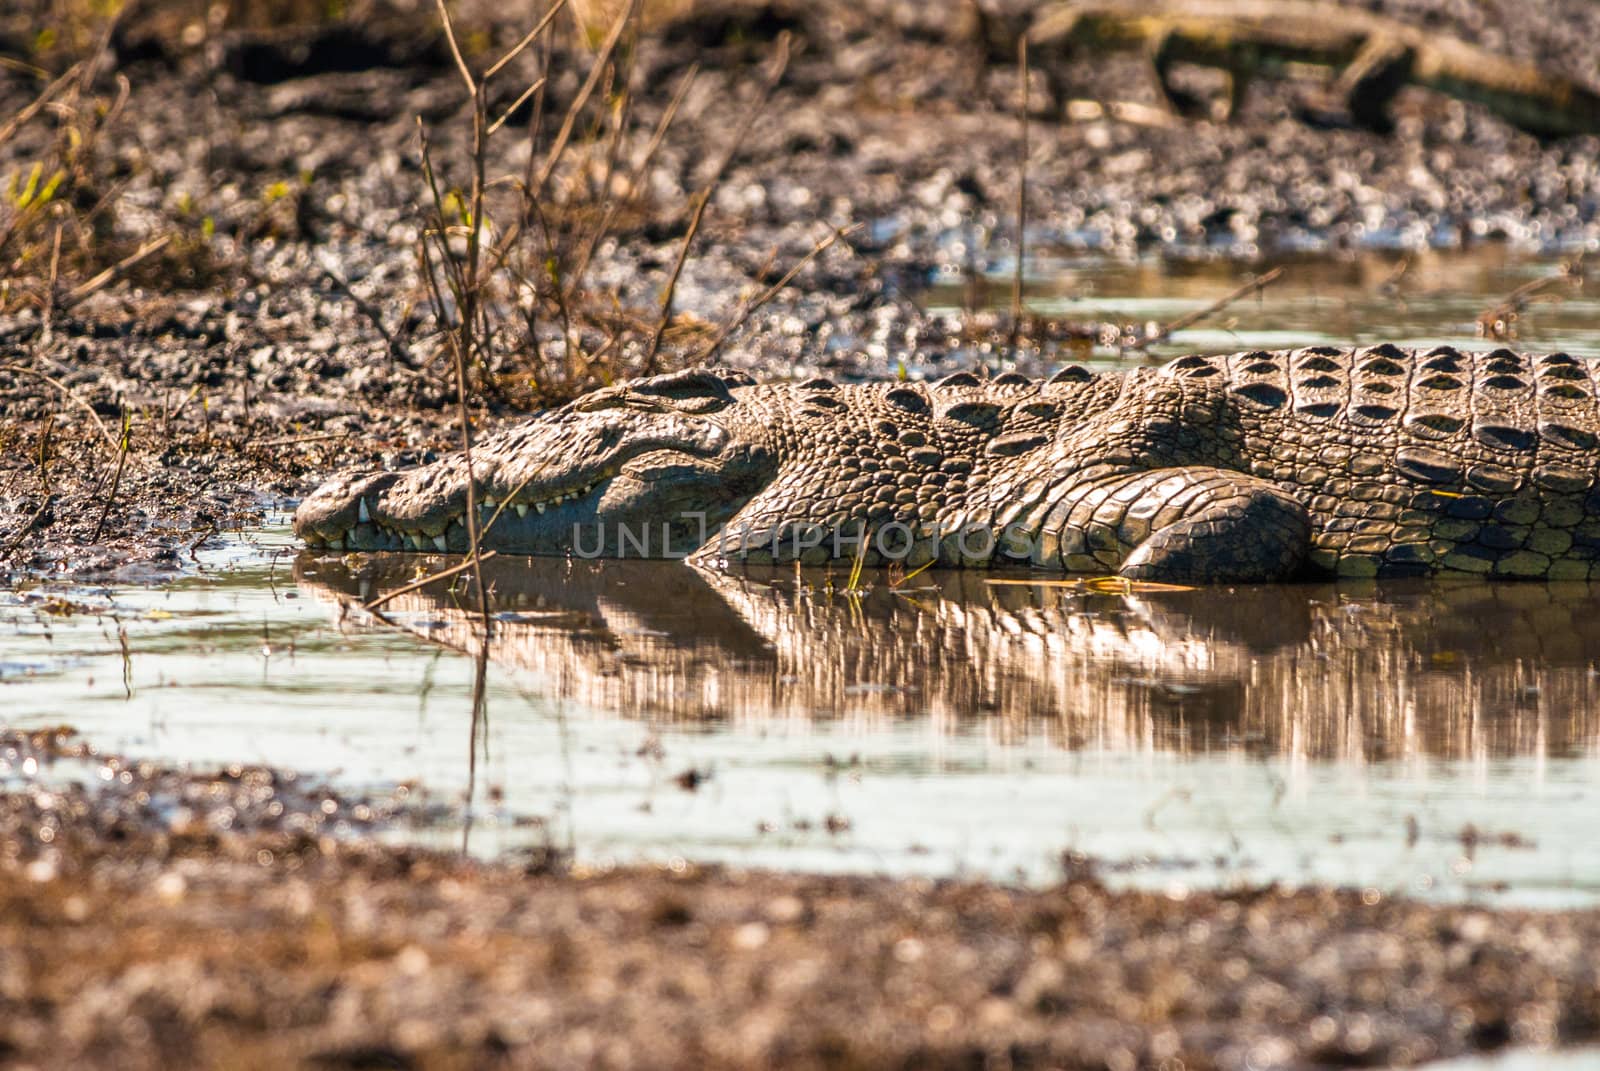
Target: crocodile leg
x=1217 y=526
x=1374 y=77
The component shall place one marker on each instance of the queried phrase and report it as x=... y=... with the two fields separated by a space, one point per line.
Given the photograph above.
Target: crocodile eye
x=692 y=391
x=698 y=405
x=606 y=398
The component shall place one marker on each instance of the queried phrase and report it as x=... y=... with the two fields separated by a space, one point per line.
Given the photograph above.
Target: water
x=1437 y=739
x=1440 y=740
x=1421 y=299
x=1586 y=1059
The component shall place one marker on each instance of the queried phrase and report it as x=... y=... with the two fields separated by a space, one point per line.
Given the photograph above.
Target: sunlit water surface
x=1441 y=740
x=1424 y=298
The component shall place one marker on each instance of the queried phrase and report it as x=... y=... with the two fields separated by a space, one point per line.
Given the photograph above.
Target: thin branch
x=558 y=290
x=116 y=481
x=1022 y=198
x=1259 y=283
x=570 y=121
x=467 y=286
x=519 y=102
x=443 y=574
x=636 y=175
x=647 y=366
x=531 y=36
x=44 y=480
x=455 y=49
x=452 y=269
x=115 y=272
x=463 y=351
x=51 y=288
x=772 y=291
x=48 y=94
x=66 y=391
x=780 y=62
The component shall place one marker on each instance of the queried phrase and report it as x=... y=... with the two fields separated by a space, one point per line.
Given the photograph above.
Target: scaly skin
x=1376 y=56
x=1249 y=467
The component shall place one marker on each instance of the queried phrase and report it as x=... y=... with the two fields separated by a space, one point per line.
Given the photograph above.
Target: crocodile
x=1245 y=467
x=1370 y=57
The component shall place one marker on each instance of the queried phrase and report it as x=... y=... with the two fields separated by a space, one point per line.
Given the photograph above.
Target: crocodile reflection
x=1368 y=673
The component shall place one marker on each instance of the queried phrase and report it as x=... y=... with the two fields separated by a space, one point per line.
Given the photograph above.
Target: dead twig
x=374 y=315
x=1022 y=197
x=27 y=526
x=635 y=176
x=519 y=102
x=570 y=120
x=51 y=286
x=455 y=49
x=462 y=342
x=67 y=393
x=44 y=482
x=115 y=272
x=1166 y=331
x=746 y=311
x=1500 y=321
x=527 y=39
x=19 y=120
x=116 y=480
x=780 y=63
x=444 y=574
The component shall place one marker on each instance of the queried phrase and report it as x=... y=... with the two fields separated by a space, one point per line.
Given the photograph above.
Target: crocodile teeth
x=363 y=515
x=417 y=541
x=554 y=500
x=440 y=542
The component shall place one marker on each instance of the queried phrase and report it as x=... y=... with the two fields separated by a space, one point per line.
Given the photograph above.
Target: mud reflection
x=1454 y=670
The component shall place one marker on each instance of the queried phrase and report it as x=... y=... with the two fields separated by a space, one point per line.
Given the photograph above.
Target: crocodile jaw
x=613 y=483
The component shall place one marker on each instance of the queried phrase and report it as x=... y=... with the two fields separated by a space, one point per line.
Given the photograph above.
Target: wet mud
x=248 y=932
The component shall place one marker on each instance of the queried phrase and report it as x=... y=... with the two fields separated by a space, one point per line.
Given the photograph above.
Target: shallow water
x=1424 y=298
x=1586 y=1059
x=1437 y=739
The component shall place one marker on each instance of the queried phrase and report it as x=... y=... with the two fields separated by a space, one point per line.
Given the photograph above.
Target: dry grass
x=508 y=256
x=509 y=251
x=62 y=235
x=55 y=202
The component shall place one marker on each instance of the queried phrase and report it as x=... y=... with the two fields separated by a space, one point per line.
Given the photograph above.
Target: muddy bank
x=283 y=328
x=244 y=929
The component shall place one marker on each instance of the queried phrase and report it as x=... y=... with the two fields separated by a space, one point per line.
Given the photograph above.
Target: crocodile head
x=642 y=470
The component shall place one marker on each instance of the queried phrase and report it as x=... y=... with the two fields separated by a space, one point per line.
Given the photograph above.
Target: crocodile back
x=1496 y=451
